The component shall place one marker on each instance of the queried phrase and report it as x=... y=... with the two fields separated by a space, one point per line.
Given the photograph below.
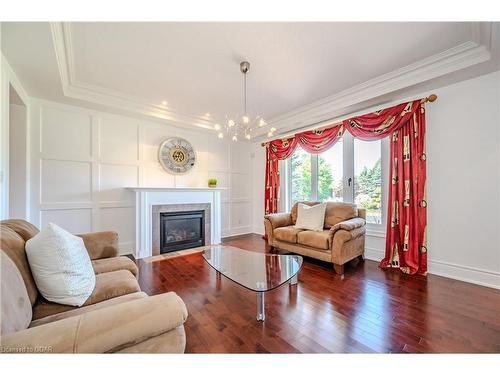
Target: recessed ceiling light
x=207 y=114
x=164 y=102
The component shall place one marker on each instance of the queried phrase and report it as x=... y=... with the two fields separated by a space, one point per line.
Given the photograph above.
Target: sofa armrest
x=102 y=331
x=278 y=220
x=348 y=225
x=101 y=244
x=273 y=221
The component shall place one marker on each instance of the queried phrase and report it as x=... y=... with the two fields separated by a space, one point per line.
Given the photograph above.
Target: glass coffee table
x=259 y=272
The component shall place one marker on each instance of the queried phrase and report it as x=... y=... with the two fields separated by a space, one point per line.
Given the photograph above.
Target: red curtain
x=317 y=141
x=406 y=246
x=278 y=149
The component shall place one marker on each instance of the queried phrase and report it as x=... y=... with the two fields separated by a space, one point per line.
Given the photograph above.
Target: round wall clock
x=176 y=155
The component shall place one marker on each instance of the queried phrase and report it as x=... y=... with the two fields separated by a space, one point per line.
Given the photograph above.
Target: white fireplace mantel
x=147 y=197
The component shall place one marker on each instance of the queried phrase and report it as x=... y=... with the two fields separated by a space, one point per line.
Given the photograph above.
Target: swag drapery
x=406 y=243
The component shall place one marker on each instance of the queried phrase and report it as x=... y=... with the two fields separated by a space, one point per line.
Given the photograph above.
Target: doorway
x=18 y=162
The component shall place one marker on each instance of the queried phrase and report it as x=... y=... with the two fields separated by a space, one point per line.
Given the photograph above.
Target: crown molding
x=72 y=88
x=465 y=55
x=456 y=58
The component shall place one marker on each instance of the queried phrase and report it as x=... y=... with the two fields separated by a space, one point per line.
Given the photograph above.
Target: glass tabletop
x=259 y=272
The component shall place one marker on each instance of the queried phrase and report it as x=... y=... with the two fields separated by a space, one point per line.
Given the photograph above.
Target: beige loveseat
x=117 y=317
x=342 y=239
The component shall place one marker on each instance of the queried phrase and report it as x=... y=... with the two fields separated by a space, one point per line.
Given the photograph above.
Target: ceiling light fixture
x=242 y=125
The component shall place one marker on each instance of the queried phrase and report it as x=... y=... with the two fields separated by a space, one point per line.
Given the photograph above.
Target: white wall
x=17 y=161
x=463 y=183
x=258 y=179
x=82 y=160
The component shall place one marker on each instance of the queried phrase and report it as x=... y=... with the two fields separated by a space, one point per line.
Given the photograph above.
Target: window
x=330 y=174
x=368 y=179
x=300 y=176
x=350 y=171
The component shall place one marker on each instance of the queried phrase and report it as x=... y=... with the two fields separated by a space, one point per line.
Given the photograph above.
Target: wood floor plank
x=368 y=311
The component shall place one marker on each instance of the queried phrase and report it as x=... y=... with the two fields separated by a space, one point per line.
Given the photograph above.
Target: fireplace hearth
x=181 y=230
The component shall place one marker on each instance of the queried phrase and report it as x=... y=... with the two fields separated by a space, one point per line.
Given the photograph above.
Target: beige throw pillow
x=311 y=217
x=61 y=266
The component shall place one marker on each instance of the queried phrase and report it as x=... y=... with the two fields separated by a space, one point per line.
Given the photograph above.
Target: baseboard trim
x=468 y=274
x=258 y=230
x=237 y=231
x=126 y=248
x=374 y=254
x=490 y=279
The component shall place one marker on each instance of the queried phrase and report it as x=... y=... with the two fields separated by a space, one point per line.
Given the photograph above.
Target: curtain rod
x=431 y=98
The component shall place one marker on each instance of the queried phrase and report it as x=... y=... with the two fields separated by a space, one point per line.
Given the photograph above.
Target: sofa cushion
x=107 y=285
x=16 y=306
x=339 y=211
x=294 y=210
x=85 y=309
x=319 y=240
x=13 y=245
x=287 y=234
x=114 y=264
x=61 y=266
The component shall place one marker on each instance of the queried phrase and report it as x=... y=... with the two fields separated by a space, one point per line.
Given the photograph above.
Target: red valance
x=380 y=124
x=405 y=123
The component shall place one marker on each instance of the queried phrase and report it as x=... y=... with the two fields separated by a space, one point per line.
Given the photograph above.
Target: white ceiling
x=195 y=66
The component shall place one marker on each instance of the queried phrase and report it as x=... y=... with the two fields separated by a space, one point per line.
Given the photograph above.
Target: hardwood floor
x=369 y=311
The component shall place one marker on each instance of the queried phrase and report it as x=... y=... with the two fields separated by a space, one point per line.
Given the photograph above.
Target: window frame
x=285 y=166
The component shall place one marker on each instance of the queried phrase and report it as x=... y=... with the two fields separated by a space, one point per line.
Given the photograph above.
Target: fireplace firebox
x=181 y=230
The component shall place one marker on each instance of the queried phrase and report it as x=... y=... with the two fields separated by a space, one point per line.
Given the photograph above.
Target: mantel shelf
x=175 y=188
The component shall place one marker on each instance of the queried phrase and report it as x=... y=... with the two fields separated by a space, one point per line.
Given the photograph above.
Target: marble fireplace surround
x=159 y=208
x=149 y=199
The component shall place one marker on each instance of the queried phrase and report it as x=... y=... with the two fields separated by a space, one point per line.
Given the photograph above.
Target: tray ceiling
x=194 y=66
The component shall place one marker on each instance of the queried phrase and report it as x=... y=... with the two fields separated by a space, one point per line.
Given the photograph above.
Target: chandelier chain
x=245 y=90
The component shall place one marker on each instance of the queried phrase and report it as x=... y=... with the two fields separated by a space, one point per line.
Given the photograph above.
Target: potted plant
x=212 y=182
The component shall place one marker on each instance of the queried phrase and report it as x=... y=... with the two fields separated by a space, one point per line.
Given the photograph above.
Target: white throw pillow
x=311 y=217
x=61 y=266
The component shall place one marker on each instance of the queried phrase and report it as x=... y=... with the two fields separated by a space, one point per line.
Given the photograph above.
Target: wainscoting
x=82 y=160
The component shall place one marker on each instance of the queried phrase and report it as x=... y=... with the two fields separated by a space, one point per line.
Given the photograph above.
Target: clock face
x=176 y=155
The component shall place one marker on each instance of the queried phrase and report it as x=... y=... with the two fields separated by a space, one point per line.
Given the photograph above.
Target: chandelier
x=242 y=125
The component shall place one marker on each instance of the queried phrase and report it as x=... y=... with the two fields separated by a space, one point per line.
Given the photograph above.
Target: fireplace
x=181 y=230
x=151 y=201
